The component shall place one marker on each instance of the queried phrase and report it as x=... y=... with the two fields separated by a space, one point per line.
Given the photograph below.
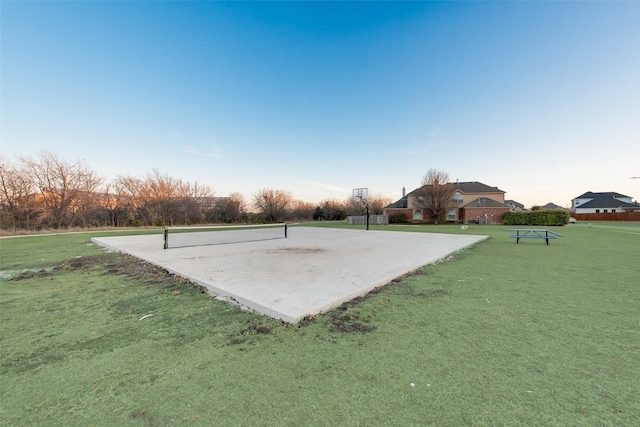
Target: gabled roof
x=467 y=187
x=592 y=195
x=484 y=202
x=400 y=204
x=605 y=200
x=551 y=206
x=475 y=187
x=514 y=203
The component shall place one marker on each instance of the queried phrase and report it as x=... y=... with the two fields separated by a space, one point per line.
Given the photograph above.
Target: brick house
x=472 y=202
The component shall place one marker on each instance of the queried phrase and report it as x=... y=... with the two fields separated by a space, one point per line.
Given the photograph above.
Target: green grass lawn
x=501 y=334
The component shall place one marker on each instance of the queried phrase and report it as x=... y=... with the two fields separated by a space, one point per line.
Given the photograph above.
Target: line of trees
x=49 y=192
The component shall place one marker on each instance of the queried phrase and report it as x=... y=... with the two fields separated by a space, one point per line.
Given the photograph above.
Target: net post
x=166 y=238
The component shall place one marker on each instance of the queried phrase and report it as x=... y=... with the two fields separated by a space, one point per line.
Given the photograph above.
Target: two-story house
x=610 y=202
x=472 y=202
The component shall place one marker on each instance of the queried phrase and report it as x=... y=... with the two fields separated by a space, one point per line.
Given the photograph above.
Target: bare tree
x=273 y=205
x=61 y=185
x=354 y=208
x=159 y=199
x=161 y=191
x=110 y=205
x=235 y=208
x=129 y=197
x=190 y=195
x=330 y=209
x=436 y=195
x=377 y=203
x=17 y=204
x=152 y=198
x=228 y=209
x=301 y=211
x=87 y=206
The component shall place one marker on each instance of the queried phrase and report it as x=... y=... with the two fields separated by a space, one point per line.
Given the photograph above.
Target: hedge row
x=398 y=218
x=552 y=217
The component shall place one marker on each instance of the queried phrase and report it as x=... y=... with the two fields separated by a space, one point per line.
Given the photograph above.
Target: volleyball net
x=183 y=238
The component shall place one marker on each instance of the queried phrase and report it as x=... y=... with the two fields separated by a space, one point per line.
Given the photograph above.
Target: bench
x=532 y=233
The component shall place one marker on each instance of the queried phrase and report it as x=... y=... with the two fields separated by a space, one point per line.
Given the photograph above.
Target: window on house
x=597 y=210
x=457 y=198
x=451 y=216
x=417 y=214
x=605 y=211
x=613 y=210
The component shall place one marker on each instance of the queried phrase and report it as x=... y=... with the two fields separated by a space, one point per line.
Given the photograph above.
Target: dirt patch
x=247 y=334
x=343 y=320
x=145 y=272
x=83 y=262
x=119 y=264
x=79 y=263
x=143 y=415
x=32 y=274
x=255 y=329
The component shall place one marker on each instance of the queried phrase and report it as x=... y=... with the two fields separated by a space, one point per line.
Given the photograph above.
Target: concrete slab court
x=310 y=272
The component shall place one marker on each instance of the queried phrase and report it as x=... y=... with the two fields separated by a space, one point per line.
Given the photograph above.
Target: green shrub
x=515 y=218
x=398 y=218
x=539 y=217
x=552 y=217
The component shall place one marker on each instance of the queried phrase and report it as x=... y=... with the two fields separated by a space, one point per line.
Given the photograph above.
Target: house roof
x=400 y=204
x=468 y=187
x=513 y=203
x=605 y=200
x=475 y=187
x=484 y=202
x=464 y=187
x=551 y=206
x=591 y=195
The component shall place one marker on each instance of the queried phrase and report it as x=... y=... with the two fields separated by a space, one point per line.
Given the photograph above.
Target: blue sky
x=541 y=99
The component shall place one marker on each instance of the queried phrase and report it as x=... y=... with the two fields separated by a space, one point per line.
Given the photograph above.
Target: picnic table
x=532 y=233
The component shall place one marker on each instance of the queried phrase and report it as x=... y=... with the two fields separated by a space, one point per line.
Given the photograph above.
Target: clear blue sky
x=541 y=99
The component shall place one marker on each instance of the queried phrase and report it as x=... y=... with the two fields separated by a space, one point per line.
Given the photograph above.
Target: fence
x=373 y=219
x=613 y=216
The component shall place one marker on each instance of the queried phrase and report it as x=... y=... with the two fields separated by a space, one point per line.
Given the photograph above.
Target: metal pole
x=166 y=238
x=367 y=206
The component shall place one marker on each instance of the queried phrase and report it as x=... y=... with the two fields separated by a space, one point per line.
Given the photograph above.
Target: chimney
x=404 y=192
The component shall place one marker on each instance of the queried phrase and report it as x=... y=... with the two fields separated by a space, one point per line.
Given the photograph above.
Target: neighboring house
x=515 y=206
x=207 y=203
x=552 y=207
x=472 y=202
x=610 y=202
